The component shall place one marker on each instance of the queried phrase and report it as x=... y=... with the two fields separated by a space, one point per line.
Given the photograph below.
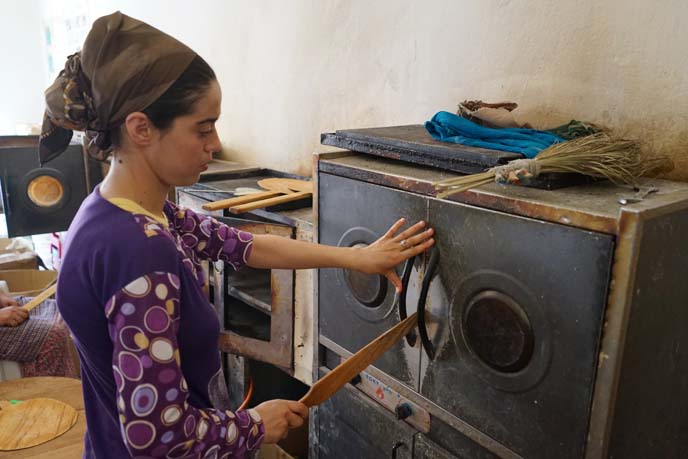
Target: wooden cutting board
x=33 y=422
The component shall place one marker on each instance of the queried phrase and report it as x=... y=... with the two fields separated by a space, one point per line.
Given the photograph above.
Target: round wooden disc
x=45 y=191
x=285 y=185
x=33 y=422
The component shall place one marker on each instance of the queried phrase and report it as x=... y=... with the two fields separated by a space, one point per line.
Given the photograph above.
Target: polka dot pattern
x=202 y=429
x=127 y=336
x=140 y=434
x=143 y=399
x=156 y=318
x=145 y=321
x=139 y=287
x=171 y=415
x=130 y=366
x=162 y=350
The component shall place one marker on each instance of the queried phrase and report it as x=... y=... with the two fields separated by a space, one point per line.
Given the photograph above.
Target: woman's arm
x=381 y=257
x=212 y=240
x=156 y=416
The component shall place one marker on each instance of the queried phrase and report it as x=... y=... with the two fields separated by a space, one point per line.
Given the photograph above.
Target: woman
x=131 y=286
x=38 y=341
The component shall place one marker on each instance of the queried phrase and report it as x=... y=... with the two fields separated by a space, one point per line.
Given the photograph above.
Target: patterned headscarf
x=125 y=65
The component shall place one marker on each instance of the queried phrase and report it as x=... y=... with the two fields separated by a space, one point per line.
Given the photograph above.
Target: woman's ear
x=139 y=129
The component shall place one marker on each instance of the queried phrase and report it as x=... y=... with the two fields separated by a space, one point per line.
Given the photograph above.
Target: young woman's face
x=187 y=146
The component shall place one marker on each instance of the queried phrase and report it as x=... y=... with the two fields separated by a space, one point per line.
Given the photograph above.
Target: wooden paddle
x=345 y=371
x=303 y=189
x=273 y=189
x=44 y=295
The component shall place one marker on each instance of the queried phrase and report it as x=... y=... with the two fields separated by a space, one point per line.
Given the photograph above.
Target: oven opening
x=248 y=302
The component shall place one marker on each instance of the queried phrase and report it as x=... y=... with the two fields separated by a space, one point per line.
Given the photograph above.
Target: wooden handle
x=44 y=295
x=345 y=371
x=227 y=203
x=270 y=202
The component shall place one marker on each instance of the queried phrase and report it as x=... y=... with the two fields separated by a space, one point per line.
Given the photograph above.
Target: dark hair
x=179 y=99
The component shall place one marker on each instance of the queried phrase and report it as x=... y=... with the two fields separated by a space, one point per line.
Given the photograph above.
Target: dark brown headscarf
x=125 y=65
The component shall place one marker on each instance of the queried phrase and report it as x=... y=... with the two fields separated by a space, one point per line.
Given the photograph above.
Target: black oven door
x=355 y=308
x=515 y=319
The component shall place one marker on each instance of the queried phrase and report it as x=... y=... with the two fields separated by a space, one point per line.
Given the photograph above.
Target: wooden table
x=70 y=445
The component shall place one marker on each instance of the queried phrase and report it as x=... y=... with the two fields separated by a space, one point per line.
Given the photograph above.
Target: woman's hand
x=6 y=300
x=13 y=316
x=279 y=416
x=382 y=256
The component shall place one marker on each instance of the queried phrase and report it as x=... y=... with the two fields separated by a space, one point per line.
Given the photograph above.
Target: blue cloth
x=449 y=127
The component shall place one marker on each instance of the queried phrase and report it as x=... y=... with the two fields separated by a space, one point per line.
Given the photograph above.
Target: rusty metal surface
x=592 y=206
x=614 y=334
x=463 y=427
x=623 y=292
x=279 y=350
x=412 y=143
x=255 y=227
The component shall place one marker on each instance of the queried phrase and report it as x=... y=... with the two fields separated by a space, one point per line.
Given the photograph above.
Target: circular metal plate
x=500 y=330
x=369 y=292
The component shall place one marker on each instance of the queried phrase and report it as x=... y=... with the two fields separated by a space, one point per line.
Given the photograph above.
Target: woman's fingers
x=299 y=408
x=395 y=280
x=294 y=420
x=410 y=231
x=418 y=238
x=420 y=248
x=394 y=228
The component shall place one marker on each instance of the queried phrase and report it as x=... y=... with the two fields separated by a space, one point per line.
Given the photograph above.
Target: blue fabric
x=449 y=127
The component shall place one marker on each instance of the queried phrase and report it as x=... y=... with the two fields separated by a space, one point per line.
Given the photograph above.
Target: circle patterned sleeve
x=156 y=419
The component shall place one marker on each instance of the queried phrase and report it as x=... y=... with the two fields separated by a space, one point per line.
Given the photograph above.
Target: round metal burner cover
x=498 y=331
x=370 y=290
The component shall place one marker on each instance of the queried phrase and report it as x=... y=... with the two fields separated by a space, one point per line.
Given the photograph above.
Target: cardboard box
x=27 y=282
x=16 y=259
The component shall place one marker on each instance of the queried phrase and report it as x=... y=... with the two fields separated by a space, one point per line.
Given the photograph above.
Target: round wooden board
x=33 y=422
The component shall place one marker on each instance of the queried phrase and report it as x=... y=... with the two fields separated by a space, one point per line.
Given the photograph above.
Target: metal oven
x=551 y=321
x=258 y=307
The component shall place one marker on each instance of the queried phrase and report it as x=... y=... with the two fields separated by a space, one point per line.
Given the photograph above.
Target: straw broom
x=597 y=155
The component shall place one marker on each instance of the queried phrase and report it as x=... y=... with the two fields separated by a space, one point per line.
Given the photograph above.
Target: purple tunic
x=131 y=291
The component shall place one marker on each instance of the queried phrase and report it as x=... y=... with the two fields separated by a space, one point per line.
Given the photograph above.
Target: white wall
x=293 y=69
x=22 y=73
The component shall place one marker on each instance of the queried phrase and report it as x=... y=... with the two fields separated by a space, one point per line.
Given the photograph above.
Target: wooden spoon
x=304 y=190
x=273 y=189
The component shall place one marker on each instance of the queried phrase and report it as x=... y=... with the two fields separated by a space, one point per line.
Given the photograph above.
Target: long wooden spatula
x=345 y=371
x=44 y=295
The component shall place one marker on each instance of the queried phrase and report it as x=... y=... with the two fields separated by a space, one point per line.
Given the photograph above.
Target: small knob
x=403 y=410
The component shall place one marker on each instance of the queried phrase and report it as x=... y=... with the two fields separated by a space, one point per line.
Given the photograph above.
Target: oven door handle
x=405 y=277
x=422 y=300
x=395 y=448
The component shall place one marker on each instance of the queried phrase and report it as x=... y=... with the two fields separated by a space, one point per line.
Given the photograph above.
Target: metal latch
x=639 y=196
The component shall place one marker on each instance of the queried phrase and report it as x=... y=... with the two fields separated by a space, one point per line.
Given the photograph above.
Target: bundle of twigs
x=598 y=155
